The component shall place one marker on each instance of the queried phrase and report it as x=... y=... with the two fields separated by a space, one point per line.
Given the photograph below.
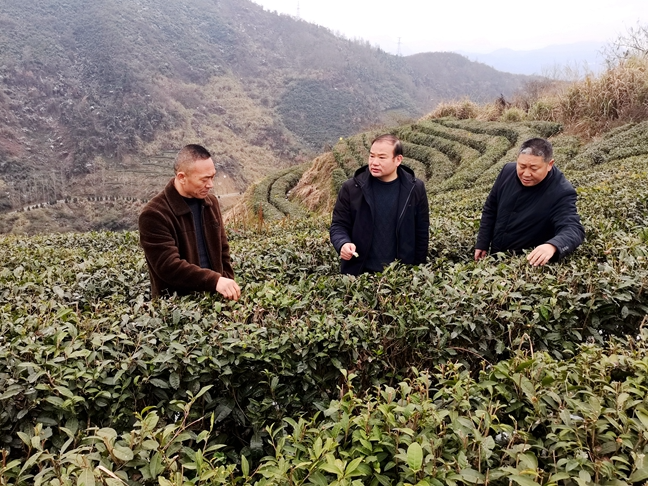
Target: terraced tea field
x=453 y=372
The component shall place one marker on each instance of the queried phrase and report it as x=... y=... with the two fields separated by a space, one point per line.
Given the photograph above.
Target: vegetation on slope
x=453 y=372
x=309 y=377
x=89 y=87
x=586 y=108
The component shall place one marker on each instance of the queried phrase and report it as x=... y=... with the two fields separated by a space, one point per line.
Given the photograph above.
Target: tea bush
x=278 y=195
x=455 y=151
x=530 y=419
x=522 y=374
x=437 y=164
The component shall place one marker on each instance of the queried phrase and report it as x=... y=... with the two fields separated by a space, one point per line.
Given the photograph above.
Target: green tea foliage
x=338 y=177
x=437 y=165
x=308 y=379
x=347 y=158
x=455 y=151
x=530 y=419
x=279 y=193
x=270 y=196
x=626 y=141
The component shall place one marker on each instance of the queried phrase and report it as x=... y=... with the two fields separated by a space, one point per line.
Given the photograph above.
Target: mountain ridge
x=91 y=93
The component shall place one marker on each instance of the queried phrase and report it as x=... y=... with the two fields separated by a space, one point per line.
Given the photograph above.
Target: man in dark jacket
x=381 y=214
x=531 y=205
x=182 y=232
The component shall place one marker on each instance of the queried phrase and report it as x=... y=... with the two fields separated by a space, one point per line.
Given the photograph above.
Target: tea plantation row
x=453 y=372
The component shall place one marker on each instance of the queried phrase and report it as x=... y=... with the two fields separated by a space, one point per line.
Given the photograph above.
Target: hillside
x=453 y=372
x=95 y=95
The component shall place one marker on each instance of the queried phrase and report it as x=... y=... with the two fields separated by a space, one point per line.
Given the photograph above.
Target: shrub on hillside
x=461 y=110
x=617 y=96
x=513 y=115
x=589 y=106
x=489 y=112
x=544 y=110
x=338 y=177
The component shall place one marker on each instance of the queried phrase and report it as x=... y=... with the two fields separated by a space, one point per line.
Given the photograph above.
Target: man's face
x=197 y=180
x=382 y=163
x=532 y=169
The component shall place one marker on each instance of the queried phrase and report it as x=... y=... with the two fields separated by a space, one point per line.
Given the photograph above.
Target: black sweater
x=516 y=217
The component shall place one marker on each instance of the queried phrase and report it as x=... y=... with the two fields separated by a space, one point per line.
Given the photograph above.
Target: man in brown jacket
x=182 y=232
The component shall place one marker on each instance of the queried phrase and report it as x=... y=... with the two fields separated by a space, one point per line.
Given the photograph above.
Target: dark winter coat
x=353 y=219
x=517 y=218
x=168 y=237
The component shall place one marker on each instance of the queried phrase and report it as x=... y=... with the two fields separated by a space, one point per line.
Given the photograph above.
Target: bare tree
x=634 y=43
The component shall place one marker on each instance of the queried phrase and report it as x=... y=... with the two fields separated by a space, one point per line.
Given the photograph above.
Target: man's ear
x=180 y=177
x=398 y=159
x=551 y=163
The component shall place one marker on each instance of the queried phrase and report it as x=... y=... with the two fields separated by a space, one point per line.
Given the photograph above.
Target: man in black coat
x=381 y=214
x=531 y=205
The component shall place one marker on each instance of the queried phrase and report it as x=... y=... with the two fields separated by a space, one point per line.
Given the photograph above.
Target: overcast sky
x=469 y=25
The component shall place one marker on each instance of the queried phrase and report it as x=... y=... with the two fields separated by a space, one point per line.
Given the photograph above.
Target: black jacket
x=516 y=217
x=353 y=219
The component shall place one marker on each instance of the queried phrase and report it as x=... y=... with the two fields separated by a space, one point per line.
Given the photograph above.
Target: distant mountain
x=97 y=95
x=580 y=55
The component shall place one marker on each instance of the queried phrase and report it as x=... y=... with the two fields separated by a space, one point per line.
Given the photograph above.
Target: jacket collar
x=176 y=201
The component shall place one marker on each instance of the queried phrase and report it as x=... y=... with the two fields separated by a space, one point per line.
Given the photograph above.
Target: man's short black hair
x=188 y=155
x=539 y=147
x=393 y=139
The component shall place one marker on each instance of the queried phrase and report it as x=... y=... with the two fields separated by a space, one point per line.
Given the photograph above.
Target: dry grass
x=597 y=104
x=314 y=188
x=587 y=107
x=461 y=110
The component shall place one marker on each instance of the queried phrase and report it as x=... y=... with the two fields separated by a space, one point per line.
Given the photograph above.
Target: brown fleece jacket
x=168 y=237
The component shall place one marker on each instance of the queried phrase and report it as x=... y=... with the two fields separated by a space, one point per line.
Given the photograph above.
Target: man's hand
x=348 y=251
x=228 y=288
x=479 y=254
x=541 y=254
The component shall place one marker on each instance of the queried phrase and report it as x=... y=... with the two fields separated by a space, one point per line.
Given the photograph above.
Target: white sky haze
x=469 y=25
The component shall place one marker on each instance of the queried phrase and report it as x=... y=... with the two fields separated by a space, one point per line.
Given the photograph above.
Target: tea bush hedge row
x=260 y=200
x=455 y=151
x=515 y=133
x=278 y=195
x=437 y=165
x=527 y=420
x=626 y=141
x=468 y=172
x=420 y=170
x=97 y=383
x=356 y=146
x=471 y=139
x=346 y=159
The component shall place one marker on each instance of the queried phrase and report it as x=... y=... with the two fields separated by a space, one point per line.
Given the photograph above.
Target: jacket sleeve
x=341 y=223
x=488 y=218
x=422 y=225
x=566 y=222
x=162 y=253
